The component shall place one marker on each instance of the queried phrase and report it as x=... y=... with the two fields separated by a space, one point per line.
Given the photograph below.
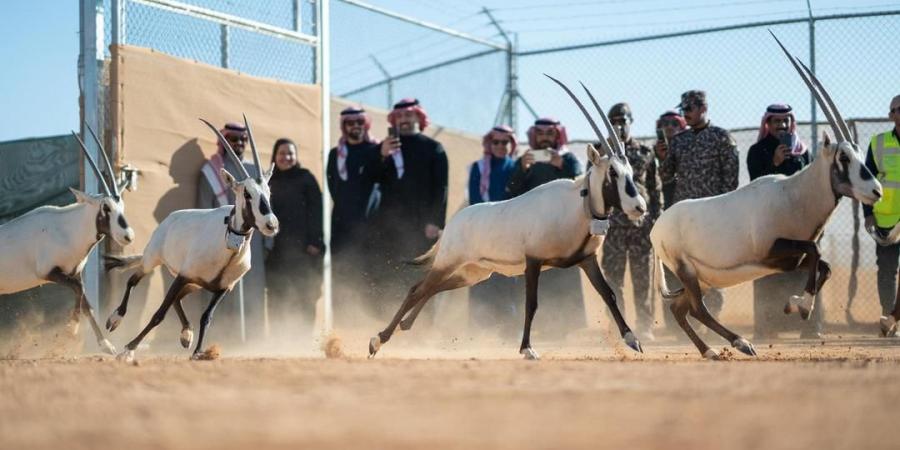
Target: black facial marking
x=122 y=222
x=630 y=189
x=264 y=206
x=864 y=172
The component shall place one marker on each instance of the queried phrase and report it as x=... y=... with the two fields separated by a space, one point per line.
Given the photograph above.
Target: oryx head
x=110 y=207
x=849 y=175
x=610 y=177
x=251 y=194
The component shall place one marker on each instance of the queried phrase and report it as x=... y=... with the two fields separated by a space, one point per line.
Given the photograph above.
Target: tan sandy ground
x=840 y=394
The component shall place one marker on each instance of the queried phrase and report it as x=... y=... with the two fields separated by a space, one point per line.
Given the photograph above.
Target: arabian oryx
x=770 y=225
x=51 y=244
x=554 y=225
x=202 y=248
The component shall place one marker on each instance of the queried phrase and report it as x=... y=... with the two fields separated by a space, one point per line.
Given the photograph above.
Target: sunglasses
x=355 y=122
x=497 y=142
x=896 y=110
x=236 y=138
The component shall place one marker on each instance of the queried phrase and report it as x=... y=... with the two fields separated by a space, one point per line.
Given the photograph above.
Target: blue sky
x=742 y=70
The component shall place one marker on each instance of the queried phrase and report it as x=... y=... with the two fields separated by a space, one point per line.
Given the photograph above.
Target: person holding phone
x=668 y=125
x=778 y=150
x=413 y=180
x=549 y=159
x=625 y=242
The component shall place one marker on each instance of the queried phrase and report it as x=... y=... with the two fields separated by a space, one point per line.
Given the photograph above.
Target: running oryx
x=51 y=244
x=770 y=225
x=202 y=248
x=549 y=226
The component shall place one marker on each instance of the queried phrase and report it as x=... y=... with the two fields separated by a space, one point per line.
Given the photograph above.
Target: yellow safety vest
x=886 y=152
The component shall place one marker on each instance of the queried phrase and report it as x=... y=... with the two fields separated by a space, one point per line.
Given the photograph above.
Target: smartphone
x=786 y=139
x=392 y=132
x=661 y=136
x=542 y=155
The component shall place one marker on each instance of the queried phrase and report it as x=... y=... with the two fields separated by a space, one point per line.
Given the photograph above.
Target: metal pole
x=424 y=24
x=298 y=16
x=509 y=96
x=118 y=22
x=91 y=55
x=223 y=46
x=514 y=83
x=812 y=66
x=388 y=79
x=323 y=76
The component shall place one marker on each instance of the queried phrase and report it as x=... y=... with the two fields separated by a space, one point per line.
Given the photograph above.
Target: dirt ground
x=838 y=393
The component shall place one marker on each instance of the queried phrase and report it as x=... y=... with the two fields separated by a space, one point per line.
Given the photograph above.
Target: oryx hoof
x=744 y=346
x=127 y=356
x=113 y=322
x=107 y=346
x=711 y=355
x=888 y=326
x=800 y=304
x=633 y=342
x=187 y=336
x=529 y=354
x=374 y=346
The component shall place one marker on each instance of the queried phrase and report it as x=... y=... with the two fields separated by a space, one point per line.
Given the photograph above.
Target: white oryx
x=51 y=244
x=768 y=226
x=202 y=248
x=549 y=226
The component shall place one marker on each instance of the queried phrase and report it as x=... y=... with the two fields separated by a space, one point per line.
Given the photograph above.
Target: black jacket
x=759 y=159
x=297 y=202
x=351 y=196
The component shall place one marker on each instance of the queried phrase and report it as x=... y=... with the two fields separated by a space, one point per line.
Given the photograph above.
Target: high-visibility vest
x=886 y=152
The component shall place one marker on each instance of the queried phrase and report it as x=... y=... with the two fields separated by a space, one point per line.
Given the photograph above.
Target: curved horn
x=109 y=169
x=834 y=110
x=603 y=141
x=609 y=127
x=253 y=149
x=812 y=87
x=97 y=172
x=228 y=149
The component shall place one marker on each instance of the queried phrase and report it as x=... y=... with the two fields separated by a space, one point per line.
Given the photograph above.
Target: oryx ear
x=593 y=155
x=229 y=179
x=826 y=140
x=84 y=197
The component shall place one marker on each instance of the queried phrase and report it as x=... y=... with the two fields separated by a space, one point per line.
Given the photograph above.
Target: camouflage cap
x=693 y=97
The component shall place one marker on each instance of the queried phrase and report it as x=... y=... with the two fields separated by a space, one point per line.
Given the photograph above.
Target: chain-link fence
x=740 y=67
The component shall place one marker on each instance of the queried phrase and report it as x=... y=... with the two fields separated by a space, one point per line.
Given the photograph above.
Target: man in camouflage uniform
x=703 y=162
x=626 y=241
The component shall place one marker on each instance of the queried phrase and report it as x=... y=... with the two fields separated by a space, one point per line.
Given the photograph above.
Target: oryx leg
x=783 y=251
x=206 y=318
x=160 y=314
x=532 y=274
x=461 y=278
x=420 y=291
x=187 y=334
x=689 y=301
x=595 y=275
x=703 y=315
x=81 y=306
x=116 y=317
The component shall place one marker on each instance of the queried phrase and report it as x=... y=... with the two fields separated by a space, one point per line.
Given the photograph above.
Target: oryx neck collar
x=588 y=205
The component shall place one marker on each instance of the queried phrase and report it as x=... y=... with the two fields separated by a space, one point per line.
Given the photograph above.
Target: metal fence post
x=223 y=46
x=323 y=77
x=812 y=66
x=388 y=79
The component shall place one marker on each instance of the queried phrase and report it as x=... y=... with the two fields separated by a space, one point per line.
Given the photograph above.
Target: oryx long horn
x=812 y=87
x=612 y=132
x=253 y=149
x=230 y=151
x=834 y=110
x=97 y=172
x=109 y=169
x=586 y=115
